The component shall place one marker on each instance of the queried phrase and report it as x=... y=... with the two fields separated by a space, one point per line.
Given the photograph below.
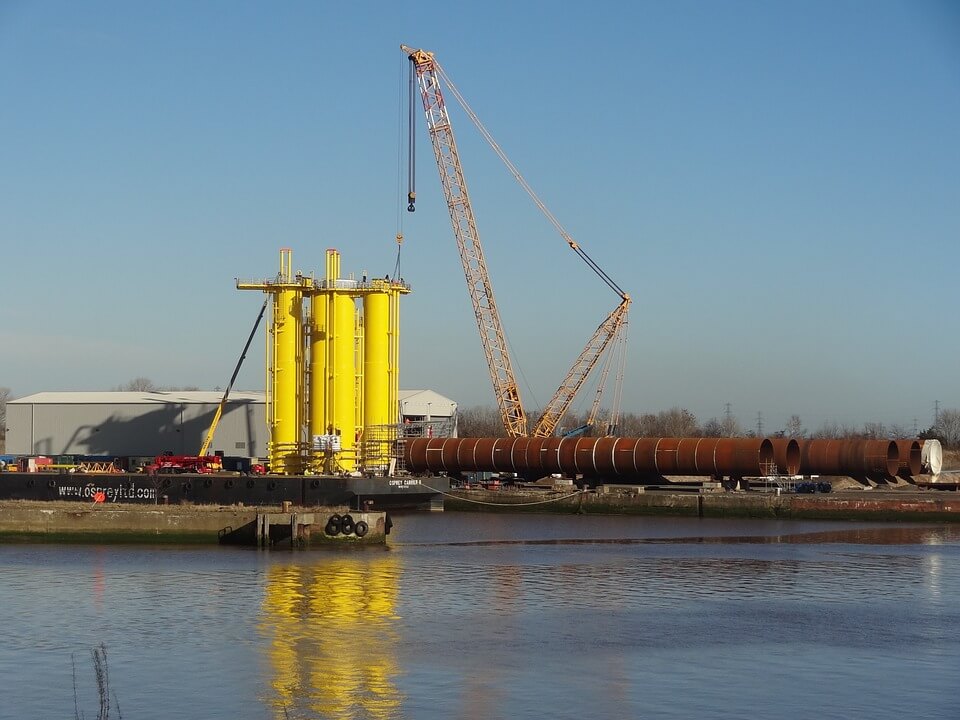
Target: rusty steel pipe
x=786 y=456
x=881 y=458
x=910 y=458
x=853 y=458
x=599 y=457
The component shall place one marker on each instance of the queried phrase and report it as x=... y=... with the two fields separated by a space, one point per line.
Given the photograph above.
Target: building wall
x=133 y=429
x=150 y=423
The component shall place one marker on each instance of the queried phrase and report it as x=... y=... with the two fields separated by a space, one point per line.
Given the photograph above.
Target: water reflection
x=332 y=640
x=906 y=535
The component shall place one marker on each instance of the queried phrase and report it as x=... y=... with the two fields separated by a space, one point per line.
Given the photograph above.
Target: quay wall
x=875 y=505
x=45 y=521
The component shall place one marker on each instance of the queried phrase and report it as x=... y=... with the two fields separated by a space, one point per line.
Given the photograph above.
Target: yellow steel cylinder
x=286 y=383
x=376 y=366
x=393 y=369
x=358 y=377
x=343 y=395
x=318 y=365
x=333 y=265
x=376 y=377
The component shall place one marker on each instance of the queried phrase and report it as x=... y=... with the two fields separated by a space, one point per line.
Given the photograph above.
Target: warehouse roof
x=202 y=397
x=161 y=397
x=424 y=402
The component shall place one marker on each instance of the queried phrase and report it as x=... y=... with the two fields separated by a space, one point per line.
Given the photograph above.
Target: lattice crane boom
x=479 y=287
x=609 y=330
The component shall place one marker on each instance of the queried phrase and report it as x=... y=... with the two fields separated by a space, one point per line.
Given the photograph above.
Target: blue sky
x=776 y=184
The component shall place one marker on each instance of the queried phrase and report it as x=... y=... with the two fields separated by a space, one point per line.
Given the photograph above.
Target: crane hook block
x=411 y=199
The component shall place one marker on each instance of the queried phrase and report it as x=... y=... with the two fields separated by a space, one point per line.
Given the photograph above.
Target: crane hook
x=411 y=199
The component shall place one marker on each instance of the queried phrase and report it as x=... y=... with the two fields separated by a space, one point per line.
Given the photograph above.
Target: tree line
x=483 y=421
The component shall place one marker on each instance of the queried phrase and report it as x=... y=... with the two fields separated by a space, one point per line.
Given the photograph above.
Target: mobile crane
x=612 y=331
x=205 y=447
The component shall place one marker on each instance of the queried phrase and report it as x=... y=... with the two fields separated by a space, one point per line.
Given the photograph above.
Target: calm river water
x=497 y=616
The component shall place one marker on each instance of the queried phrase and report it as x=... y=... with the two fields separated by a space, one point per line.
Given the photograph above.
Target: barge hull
x=223 y=489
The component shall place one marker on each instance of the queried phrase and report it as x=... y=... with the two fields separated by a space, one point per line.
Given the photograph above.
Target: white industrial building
x=434 y=413
x=150 y=423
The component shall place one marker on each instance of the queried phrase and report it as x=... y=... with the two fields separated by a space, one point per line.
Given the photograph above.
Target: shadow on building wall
x=174 y=428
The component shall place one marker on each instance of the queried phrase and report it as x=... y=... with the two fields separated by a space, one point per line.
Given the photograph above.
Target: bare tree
x=948 y=427
x=142 y=384
x=713 y=428
x=874 y=431
x=731 y=427
x=900 y=432
x=831 y=429
x=675 y=422
x=630 y=425
x=679 y=422
x=479 y=421
x=138 y=384
x=794 y=427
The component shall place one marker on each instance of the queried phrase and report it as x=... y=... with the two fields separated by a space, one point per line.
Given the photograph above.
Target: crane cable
x=410 y=171
x=412 y=140
x=529 y=190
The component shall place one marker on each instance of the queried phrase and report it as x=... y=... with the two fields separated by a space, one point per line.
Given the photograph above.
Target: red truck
x=176 y=464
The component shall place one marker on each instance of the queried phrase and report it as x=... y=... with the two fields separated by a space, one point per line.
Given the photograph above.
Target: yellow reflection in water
x=332 y=640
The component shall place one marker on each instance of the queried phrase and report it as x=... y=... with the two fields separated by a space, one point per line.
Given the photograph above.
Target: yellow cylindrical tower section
x=318 y=365
x=335 y=374
x=376 y=371
x=286 y=371
x=358 y=345
x=394 y=352
x=342 y=381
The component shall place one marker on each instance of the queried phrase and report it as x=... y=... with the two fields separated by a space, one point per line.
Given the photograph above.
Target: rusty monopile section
x=637 y=458
x=910 y=456
x=875 y=459
x=786 y=456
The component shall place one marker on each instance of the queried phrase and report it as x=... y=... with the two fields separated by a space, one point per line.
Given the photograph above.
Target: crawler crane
x=612 y=331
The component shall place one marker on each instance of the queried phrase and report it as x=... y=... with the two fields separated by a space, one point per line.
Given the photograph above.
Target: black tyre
x=333 y=525
x=346 y=525
x=361 y=528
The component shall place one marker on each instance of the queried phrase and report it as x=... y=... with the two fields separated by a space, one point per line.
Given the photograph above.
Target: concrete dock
x=876 y=504
x=283 y=526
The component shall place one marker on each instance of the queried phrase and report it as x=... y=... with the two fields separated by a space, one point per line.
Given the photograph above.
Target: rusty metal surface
x=654 y=457
x=878 y=459
x=786 y=455
x=599 y=457
x=910 y=455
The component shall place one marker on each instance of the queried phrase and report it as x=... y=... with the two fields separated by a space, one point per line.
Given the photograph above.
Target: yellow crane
x=205 y=447
x=428 y=73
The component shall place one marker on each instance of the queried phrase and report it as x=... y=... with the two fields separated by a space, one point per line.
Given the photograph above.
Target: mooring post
x=263 y=530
